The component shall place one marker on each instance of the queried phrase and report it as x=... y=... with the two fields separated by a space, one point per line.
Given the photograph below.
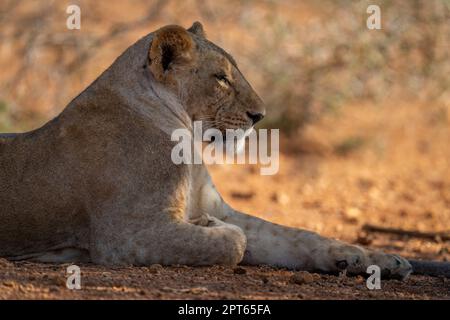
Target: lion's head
x=205 y=77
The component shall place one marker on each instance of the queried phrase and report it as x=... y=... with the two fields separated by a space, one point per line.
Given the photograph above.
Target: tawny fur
x=99 y=180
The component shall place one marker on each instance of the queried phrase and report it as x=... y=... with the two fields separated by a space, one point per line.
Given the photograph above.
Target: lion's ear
x=197 y=29
x=172 y=47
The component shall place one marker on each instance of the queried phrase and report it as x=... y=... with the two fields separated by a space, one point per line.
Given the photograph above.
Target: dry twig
x=444 y=236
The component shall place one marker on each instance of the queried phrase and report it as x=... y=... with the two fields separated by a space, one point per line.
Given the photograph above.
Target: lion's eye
x=222 y=78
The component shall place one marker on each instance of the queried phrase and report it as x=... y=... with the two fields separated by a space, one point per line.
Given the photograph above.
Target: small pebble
x=302 y=277
x=301 y=296
x=155 y=268
x=352 y=215
x=359 y=280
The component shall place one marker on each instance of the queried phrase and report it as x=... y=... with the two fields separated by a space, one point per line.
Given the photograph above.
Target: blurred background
x=364 y=114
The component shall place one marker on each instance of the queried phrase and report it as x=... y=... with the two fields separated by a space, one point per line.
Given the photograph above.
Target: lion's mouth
x=220 y=135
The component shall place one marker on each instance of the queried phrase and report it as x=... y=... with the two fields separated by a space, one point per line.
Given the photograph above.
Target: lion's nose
x=255 y=116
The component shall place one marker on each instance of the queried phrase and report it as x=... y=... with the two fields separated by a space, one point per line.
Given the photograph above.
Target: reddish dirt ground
x=396 y=174
x=39 y=281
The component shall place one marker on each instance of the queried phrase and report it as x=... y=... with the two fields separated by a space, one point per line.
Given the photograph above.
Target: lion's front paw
x=356 y=260
x=391 y=265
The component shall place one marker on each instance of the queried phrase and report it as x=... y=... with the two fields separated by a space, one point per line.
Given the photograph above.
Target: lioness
x=97 y=182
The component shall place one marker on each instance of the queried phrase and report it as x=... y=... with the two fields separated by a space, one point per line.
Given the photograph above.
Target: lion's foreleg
x=276 y=245
x=272 y=244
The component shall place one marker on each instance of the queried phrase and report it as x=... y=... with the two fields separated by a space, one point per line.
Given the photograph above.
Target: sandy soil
x=38 y=281
x=382 y=165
